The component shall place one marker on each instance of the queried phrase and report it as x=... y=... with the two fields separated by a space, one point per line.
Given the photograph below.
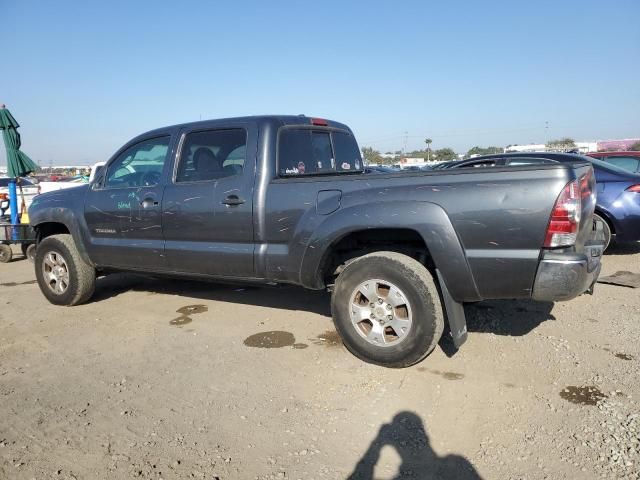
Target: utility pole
x=546 y=132
x=404 y=150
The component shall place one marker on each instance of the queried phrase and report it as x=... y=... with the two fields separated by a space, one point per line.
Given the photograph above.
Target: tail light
x=633 y=188
x=319 y=121
x=565 y=217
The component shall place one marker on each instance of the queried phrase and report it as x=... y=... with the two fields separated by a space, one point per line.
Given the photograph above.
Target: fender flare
x=428 y=219
x=66 y=217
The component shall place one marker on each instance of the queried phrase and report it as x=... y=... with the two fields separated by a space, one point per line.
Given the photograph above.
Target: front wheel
x=387 y=309
x=64 y=278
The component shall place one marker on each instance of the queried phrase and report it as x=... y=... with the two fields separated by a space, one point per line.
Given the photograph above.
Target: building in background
x=616 y=145
x=582 y=147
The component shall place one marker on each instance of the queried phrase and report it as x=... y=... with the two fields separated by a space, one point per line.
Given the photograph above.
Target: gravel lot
x=173 y=379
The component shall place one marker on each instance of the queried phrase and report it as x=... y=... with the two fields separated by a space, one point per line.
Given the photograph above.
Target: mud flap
x=454 y=312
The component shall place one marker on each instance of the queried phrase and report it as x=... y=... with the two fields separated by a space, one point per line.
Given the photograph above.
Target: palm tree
x=428 y=141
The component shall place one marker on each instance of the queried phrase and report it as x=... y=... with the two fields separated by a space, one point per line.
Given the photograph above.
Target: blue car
x=618 y=203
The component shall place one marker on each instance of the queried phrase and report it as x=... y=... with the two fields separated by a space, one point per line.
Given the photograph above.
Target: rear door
x=122 y=208
x=207 y=208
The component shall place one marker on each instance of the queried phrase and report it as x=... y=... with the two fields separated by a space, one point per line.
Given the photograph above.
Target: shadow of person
x=511 y=318
x=406 y=434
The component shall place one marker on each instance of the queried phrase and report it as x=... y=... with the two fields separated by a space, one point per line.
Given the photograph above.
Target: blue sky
x=84 y=77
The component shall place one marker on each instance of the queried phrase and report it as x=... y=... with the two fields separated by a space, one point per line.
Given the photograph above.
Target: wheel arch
x=49 y=227
x=421 y=224
x=607 y=217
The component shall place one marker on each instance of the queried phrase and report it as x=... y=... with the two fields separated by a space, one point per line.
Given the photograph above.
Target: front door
x=122 y=208
x=207 y=208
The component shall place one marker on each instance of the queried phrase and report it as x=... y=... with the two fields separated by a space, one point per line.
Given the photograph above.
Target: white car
x=52 y=186
x=29 y=190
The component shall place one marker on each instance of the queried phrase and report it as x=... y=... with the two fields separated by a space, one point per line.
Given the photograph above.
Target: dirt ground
x=172 y=379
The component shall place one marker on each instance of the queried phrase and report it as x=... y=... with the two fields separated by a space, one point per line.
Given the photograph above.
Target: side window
x=212 y=154
x=347 y=152
x=479 y=164
x=628 y=163
x=306 y=151
x=519 y=162
x=139 y=165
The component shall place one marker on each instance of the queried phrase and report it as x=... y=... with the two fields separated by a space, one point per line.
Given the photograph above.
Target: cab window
x=304 y=151
x=212 y=154
x=140 y=165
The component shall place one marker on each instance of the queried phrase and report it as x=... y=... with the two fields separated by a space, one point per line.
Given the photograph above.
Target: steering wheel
x=150 y=178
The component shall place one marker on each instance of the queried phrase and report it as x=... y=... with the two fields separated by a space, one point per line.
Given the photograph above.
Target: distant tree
x=565 y=143
x=370 y=155
x=635 y=147
x=428 y=141
x=444 y=154
x=483 y=151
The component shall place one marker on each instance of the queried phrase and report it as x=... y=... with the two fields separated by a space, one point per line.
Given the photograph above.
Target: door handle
x=148 y=203
x=233 y=200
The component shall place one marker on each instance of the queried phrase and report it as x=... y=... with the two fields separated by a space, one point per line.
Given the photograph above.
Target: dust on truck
x=284 y=200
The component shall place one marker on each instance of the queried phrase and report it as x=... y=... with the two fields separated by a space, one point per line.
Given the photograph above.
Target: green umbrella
x=18 y=163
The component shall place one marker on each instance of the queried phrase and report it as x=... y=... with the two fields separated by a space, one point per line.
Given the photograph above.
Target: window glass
x=478 y=164
x=518 y=162
x=306 y=151
x=212 y=154
x=347 y=152
x=139 y=165
x=607 y=166
x=628 y=163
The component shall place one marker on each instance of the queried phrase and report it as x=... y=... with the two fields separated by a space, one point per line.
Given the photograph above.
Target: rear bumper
x=563 y=276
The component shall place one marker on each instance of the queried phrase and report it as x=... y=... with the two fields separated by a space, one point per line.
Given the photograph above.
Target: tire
x=5 y=253
x=606 y=230
x=64 y=278
x=417 y=309
x=23 y=248
x=31 y=252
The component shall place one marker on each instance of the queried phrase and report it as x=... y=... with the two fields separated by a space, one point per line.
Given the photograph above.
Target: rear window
x=608 y=167
x=628 y=163
x=316 y=152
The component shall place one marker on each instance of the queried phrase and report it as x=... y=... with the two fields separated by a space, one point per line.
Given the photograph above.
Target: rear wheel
x=64 y=278
x=387 y=309
x=5 y=253
x=606 y=230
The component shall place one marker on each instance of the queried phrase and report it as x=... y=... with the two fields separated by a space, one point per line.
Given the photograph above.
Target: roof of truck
x=279 y=119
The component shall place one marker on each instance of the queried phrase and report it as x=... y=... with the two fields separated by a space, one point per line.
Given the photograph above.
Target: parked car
x=626 y=160
x=445 y=165
x=379 y=169
x=50 y=186
x=29 y=191
x=284 y=200
x=618 y=190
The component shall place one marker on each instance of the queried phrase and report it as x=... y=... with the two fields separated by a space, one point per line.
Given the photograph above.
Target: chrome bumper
x=563 y=276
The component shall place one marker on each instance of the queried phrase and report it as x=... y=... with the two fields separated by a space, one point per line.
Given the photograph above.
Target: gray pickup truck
x=284 y=200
